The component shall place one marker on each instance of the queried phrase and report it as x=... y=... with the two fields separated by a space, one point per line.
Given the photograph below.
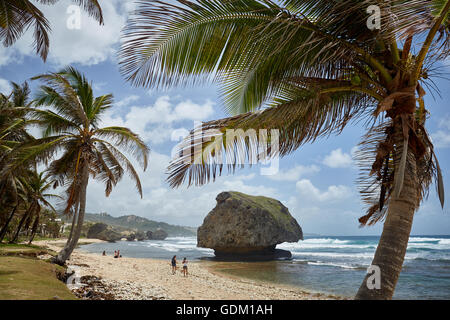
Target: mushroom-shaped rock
x=244 y=226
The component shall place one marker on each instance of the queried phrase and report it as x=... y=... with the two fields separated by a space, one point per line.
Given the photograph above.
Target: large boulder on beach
x=159 y=234
x=141 y=236
x=103 y=232
x=244 y=226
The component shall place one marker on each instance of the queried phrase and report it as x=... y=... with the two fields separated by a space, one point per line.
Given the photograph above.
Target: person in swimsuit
x=174 y=264
x=185 y=269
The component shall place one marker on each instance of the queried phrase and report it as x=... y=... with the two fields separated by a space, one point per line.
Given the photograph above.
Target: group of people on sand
x=184 y=263
x=173 y=262
x=116 y=254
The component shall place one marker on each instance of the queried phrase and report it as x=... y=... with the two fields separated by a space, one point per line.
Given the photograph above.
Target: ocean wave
x=423 y=239
x=327 y=243
x=302 y=246
x=360 y=255
x=420 y=243
x=339 y=265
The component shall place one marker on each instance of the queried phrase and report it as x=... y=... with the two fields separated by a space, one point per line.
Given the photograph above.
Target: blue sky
x=317 y=182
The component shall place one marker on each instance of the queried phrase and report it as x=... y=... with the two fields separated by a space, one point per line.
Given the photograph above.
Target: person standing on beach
x=174 y=264
x=185 y=269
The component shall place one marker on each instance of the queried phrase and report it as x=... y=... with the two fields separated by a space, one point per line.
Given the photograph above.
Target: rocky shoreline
x=96 y=288
x=106 y=278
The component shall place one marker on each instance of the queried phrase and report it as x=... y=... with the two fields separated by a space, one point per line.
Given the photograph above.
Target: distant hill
x=140 y=224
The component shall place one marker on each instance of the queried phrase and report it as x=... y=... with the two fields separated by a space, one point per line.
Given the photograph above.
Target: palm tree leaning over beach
x=306 y=68
x=82 y=149
x=16 y=16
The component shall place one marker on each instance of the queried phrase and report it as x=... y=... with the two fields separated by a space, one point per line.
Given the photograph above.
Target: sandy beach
x=149 y=279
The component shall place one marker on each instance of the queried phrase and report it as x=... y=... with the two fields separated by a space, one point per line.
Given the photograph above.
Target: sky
x=317 y=182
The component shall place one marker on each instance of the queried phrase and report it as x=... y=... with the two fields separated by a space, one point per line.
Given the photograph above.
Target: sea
x=327 y=264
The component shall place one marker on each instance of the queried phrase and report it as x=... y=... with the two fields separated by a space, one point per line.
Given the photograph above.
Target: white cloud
x=126 y=101
x=6 y=55
x=441 y=138
x=338 y=159
x=187 y=206
x=294 y=173
x=154 y=123
x=445 y=122
x=91 y=44
x=333 y=193
x=5 y=87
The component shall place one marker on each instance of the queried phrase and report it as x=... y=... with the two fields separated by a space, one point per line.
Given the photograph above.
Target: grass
x=24 y=277
x=273 y=206
x=23 y=250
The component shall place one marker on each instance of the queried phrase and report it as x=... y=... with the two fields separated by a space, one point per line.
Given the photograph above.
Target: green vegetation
x=31 y=279
x=135 y=223
x=24 y=277
x=273 y=206
x=73 y=147
x=303 y=70
x=23 y=250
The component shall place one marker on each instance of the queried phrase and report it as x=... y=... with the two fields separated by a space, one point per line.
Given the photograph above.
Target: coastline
x=151 y=279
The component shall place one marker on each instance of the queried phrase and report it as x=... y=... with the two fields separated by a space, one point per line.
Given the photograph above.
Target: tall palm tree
x=306 y=68
x=13 y=122
x=17 y=16
x=82 y=148
x=35 y=187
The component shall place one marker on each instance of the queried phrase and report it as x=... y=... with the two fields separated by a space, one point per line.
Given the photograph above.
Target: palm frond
x=128 y=140
x=203 y=154
x=108 y=148
x=16 y=17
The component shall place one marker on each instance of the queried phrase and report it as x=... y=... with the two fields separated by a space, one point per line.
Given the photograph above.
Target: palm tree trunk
x=391 y=249
x=74 y=222
x=5 y=227
x=25 y=216
x=35 y=226
x=65 y=253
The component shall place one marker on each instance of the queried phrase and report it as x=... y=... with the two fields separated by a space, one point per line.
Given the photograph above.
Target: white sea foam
x=334 y=255
x=339 y=265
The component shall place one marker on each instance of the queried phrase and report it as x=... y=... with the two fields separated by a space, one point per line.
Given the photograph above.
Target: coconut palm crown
x=306 y=68
x=76 y=146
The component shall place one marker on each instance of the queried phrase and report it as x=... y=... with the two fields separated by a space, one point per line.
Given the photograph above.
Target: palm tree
x=306 y=68
x=13 y=122
x=35 y=187
x=83 y=149
x=16 y=16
